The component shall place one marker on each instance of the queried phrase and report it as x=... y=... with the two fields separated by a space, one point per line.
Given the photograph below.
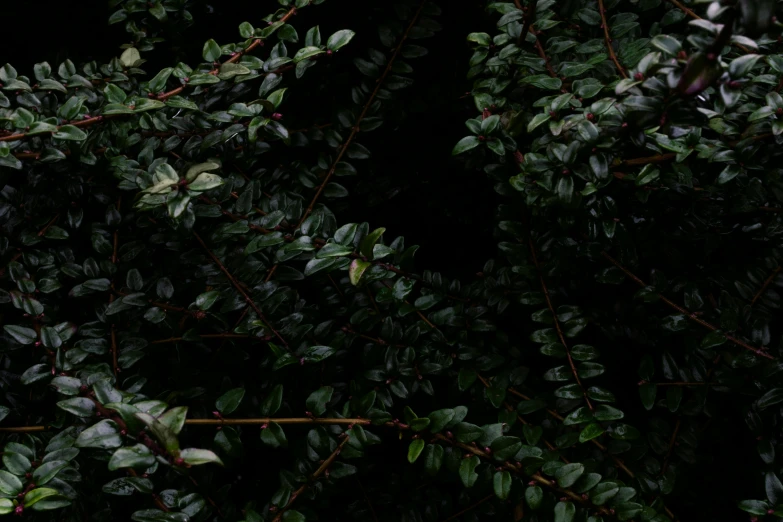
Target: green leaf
x=504 y=448
x=774 y=487
x=10 y=483
x=272 y=402
x=567 y=475
x=71 y=133
x=433 y=458
x=369 y=241
x=138 y=456
x=501 y=483
x=204 y=182
x=38 y=494
x=229 y=401
x=196 y=457
x=129 y=57
x=465 y=144
x=47 y=471
x=591 y=431
x=534 y=496
x=356 y=270
x=339 y=39
x=564 y=512
x=211 y=51
x=104 y=435
x=772 y=397
x=21 y=334
x=174 y=419
x=316 y=402
x=467 y=471
x=274 y=436
x=415 y=449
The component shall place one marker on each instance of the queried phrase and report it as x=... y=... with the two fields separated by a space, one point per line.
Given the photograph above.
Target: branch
x=608 y=39
x=206 y=336
x=236 y=285
x=765 y=285
x=469 y=508
x=557 y=323
x=355 y=128
x=320 y=471
x=693 y=317
x=235 y=58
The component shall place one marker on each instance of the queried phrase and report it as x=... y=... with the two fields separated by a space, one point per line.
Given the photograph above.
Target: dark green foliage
x=192 y=331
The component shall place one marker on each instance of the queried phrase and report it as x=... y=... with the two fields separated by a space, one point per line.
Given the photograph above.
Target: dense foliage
x=192 y=330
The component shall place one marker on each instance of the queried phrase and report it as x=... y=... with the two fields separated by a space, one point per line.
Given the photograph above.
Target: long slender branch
x=765 y=285
x=469 y=508
x=559 y=330
x=693 y=317
x=239 y=288
x=205 y=336
x=608 y=39
x=320 y=471
x=355 y=128
x=231 y=422
x=256 y=43
x=100 y=119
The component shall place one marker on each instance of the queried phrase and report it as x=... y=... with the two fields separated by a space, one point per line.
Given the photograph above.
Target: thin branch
x=115 y=250
x=608 y=39
x=469 y=508
x=684 y=9
x=233 y=422
x=765 y=285
x=693 y=317
x=671 y=447
x=618 y=462
x=367 y=499
x=537 y=477
x=236 y=285
x=256 y=43
x=49 y=224
x=320 y=471
x=158 y=502
x=557 y=323
x=355 y=128
x=205 y=336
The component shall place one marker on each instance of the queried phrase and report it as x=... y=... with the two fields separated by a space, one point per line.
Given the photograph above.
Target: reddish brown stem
x=608 y=40
x=291 y=12
x=49 y=224
x=239 y=288
x=671 y=447
x=558 y=329
x=469 y=508
x=355 y=128
x=320 y=471
x=690 y=315
x=765 y=285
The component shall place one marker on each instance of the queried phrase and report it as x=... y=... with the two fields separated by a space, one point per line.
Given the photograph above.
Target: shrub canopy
x=192 y=331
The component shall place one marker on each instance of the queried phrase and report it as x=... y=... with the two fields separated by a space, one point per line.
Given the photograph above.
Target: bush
x=191 y=331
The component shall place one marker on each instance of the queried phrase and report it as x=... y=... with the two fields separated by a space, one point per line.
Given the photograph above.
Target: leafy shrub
x=191 y=332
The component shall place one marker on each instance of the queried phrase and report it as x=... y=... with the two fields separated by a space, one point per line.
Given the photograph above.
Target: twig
x=608 y=39
x=258 y=42
x=355 y=128
x=236 y=285
x=765 y=285
x=115 y=249
x=469 y=508
x=49 y=224
x=205 y=336
x=320 y=471
x=158 y=502
x=557 y=323
x=367 y=499
x=671 y=447
x=684 y=9
x=693 y=317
